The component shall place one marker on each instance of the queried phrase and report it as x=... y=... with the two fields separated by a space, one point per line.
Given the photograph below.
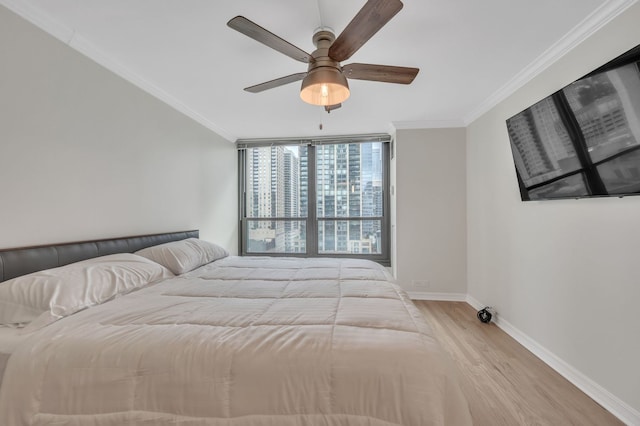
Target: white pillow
x=43 y=297
x=184 y=255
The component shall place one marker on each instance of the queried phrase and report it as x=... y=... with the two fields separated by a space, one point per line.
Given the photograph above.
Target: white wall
x=85 y=154
x=564 y=273
x=428 y=173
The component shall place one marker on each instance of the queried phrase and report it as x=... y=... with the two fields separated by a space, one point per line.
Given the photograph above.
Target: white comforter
x=290 y=342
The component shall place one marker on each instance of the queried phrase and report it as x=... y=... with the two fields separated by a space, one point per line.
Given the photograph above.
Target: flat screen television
x=583 y=140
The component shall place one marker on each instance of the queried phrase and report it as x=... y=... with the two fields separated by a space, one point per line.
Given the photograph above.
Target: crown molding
x=40 y=19
x=592 y=23
x=77 y=42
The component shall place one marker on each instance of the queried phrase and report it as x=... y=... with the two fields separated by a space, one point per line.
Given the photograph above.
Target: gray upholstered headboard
x=22 y=261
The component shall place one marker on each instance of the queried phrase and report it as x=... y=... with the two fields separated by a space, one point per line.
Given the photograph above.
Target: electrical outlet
x=423 y=284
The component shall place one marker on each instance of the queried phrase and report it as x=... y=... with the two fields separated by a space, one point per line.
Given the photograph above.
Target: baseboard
x=448 y=297
x=613 y=404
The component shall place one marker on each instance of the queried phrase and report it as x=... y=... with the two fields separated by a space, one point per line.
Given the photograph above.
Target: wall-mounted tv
x=583 y=140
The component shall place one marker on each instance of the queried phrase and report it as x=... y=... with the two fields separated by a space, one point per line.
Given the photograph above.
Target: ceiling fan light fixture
x=324 y=86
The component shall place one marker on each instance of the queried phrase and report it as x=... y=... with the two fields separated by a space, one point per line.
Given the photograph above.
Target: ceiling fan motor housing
x=324 y=84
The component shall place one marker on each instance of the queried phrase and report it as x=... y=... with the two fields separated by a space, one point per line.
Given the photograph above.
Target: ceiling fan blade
x=276 y=83
x=256 y=32
x=384 y=73
x=330 y=108
x=373 y=16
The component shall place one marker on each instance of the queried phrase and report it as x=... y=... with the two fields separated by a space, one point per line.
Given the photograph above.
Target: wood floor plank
x=504 y=383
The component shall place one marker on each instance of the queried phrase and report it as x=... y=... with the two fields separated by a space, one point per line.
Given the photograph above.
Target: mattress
x=241 y=341
x=10 y=338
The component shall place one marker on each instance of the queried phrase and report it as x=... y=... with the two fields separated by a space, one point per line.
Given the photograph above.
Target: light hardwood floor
x=504 y=383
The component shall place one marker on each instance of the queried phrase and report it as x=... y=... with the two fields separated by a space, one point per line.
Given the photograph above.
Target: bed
x=198 y=337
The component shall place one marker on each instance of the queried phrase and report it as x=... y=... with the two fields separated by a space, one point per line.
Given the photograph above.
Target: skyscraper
x=348 y=188
x=541 y=142
x=291 y=202
x=273 y=186
x=347 y=184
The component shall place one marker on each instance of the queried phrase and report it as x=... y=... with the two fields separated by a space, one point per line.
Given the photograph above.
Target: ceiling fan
x=325 y=81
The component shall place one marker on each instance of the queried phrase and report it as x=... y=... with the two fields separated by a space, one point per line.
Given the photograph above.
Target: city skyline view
x=348 y=203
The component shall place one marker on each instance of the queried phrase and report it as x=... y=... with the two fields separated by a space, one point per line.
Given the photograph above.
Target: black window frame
x=312 y=220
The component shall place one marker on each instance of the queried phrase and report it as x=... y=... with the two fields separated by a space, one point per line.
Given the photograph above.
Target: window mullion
x=386 y=200
x=312 y=222
x=580 y=145
x=242 y=194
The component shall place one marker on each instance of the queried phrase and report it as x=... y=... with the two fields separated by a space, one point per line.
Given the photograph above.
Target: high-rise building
x=541 y=142
x=603 y=106
x=348 y=180
x=273 y=186
x=291 y=201
x=348 y=185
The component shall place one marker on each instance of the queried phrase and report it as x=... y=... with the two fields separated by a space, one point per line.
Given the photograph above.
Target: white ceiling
x=468 y=52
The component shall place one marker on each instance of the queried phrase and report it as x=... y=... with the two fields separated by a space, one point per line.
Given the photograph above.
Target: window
x=275 y=199
x=315 y=197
